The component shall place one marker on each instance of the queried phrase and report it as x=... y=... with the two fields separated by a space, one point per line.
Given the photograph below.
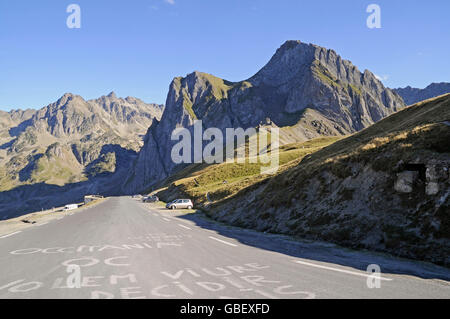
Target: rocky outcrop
x=306 y=90
x=437 y=175
x=413 y=95
x=432 y=176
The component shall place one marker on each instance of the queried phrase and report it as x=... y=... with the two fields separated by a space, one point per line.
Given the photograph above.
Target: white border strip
x=222 y=241
x=340 y=270
x=10 y=234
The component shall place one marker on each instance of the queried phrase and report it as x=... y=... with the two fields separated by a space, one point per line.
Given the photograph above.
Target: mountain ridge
x=413 y=95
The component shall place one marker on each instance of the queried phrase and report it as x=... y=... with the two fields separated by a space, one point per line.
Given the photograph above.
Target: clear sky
x=136 y=47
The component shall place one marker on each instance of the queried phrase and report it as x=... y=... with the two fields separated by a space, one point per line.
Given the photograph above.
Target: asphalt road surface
x=122 y=248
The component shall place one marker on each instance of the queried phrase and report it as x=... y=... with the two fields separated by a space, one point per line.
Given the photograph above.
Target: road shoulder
x=18 y=224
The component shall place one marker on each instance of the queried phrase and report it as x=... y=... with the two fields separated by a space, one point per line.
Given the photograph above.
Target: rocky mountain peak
x=67 y=95
x=66 y=98
x=295 y=60
x=285 y=64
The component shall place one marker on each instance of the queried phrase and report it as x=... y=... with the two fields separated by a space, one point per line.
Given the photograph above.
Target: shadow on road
x=322 y=251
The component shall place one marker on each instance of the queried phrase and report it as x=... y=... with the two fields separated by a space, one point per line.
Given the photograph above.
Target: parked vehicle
x=150 y=199
x=180 y=203
x=70 y=207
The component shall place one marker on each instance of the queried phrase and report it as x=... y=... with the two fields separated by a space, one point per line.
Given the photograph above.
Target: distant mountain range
x=413 y=95
x=69 y=143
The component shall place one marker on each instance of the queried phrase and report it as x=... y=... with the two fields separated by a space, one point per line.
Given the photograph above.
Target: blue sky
x=136 y=47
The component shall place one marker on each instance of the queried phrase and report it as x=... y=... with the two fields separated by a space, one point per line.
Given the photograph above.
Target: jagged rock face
x=306 y=90
x=72 y=141
x=413 y=95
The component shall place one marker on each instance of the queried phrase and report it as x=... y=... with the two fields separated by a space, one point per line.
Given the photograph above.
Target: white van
x=70 y=207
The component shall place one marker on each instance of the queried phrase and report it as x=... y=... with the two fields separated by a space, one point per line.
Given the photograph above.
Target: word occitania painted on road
x=208 y=146
x=97 y=248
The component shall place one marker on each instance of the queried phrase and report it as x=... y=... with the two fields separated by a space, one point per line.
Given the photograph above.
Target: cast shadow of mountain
x=122 y=157
x=317 y=251
x=26 y=172
x=27 y=199
x=16 y=131
x=7 y=145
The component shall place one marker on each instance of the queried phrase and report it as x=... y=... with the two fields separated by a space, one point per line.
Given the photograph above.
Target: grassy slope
x=416 y=129
x=222 y=181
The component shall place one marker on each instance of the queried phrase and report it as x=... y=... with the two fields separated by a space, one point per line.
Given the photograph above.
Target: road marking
x=184 y=226
x=166 y=219
x=222 y=241
x=42 y=224
x=340 y=270
x=11 y=234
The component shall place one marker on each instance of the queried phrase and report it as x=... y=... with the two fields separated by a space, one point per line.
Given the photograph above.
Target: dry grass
x=405 y=135
x=222 y=181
